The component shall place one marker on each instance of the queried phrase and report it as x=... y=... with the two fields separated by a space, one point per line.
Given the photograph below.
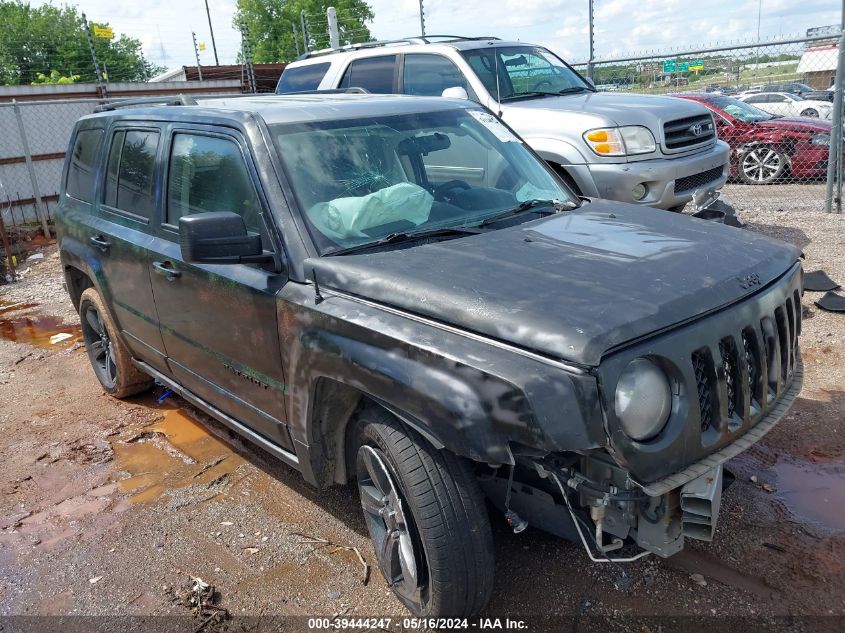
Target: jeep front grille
x=689 y=132
x=735 y=387
x=697 y=181
x=701 y=364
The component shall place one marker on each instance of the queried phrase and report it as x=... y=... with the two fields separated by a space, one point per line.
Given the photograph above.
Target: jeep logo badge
x=749 y=281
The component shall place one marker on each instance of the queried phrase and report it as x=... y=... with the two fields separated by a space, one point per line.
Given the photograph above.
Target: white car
x=786 y=104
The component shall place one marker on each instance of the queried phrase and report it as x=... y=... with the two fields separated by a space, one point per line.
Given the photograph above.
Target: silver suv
x=641 y=149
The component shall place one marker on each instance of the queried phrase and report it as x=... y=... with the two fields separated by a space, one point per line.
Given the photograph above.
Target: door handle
x=166 y=269
x=100 y=242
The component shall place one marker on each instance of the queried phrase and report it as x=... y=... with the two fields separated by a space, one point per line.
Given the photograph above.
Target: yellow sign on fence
x=103 y=31
x=201 y=46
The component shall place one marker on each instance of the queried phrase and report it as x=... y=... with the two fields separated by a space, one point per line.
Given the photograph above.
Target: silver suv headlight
x=643 y=399
x=621 y=141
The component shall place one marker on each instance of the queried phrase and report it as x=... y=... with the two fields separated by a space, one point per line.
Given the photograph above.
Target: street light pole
x=211 y=28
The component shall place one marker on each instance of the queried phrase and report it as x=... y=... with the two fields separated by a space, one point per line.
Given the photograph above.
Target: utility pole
x=197 y=54
x=592 y=43
x=422 y=19
x=295 y=39
x=334 y=35
x=211 y=28
x=305 y=38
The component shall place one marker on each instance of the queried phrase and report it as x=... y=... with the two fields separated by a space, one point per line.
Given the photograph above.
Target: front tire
x=426 y=517
x=109 y=358
x=810 y=112
x=762 y=165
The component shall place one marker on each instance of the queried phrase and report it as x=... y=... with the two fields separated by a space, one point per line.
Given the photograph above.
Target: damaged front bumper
x=592 y=499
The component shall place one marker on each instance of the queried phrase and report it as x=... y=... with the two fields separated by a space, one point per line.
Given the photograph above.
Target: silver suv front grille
x=689 y=132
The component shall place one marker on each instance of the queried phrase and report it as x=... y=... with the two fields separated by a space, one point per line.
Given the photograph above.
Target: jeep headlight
x=643 y=399
x=620 y=141
x=820 y=139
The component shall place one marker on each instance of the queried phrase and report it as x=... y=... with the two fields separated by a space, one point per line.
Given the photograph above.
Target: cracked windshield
x=361 y=180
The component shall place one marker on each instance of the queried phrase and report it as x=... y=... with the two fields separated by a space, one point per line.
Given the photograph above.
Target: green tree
x=271 y=23
x=44 y=39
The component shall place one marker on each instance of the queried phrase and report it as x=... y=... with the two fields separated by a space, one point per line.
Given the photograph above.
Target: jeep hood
x=571 y=285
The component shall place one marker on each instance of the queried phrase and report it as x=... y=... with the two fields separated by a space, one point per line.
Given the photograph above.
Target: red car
x=765 y=147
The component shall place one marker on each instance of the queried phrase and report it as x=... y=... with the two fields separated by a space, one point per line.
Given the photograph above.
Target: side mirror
x=455 y=92
x=219 y=238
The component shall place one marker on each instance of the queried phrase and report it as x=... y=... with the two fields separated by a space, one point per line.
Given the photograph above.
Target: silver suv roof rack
x=166 y=100
x=428 y=39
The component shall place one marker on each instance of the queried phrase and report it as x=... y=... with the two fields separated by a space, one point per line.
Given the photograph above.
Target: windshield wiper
x=527 y=94
x=529 y=205
x=406 y=236
x=574 y=89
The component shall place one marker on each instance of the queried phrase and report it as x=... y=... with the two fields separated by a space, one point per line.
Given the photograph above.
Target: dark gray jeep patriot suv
x=397 y=291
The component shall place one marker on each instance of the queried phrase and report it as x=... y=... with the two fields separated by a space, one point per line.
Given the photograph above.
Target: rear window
x=83 y=165
x=301 y=78
x=374 y=74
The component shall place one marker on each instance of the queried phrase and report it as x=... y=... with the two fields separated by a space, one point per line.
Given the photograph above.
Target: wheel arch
x=77 y=282
x=335 y=406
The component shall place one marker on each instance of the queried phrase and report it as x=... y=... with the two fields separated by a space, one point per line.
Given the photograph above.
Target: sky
x=622 y=27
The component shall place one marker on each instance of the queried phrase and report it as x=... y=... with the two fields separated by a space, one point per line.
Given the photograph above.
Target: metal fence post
x=592 y=44
x=334 y=35
x=100 y=78
x=834 y=159
x=39 y=204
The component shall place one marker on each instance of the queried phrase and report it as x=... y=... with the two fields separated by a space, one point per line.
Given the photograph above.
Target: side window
x=83 y=168
x=757 y=99
x=776 y=98
x=302 y=78
x=208 y=173
x=130 y=174
x=429 y=75
x=374 y=74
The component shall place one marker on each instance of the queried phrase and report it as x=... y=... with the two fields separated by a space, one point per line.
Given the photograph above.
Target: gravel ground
x=108 y=507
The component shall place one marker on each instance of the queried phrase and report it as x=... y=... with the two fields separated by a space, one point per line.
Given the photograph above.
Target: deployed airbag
x=344 y=218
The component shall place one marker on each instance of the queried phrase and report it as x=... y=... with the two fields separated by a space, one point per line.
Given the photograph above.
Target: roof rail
x=405 y=40
x=166 y=100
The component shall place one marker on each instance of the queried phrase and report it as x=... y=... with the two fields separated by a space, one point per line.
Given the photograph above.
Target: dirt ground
x=110 y=507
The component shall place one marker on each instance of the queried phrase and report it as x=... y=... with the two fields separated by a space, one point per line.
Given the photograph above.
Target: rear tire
x=427 y=518
x=811 y=112
x=110 y=359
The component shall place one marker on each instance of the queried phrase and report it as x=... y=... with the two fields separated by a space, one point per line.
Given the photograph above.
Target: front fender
x=472 y=397
x=555 y=150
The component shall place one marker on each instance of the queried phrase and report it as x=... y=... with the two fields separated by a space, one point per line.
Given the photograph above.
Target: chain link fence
x=773 y=103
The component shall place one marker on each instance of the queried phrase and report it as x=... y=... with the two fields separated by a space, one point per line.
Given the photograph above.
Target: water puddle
x=176 y=453
x=22 y=323
x=814 y=491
